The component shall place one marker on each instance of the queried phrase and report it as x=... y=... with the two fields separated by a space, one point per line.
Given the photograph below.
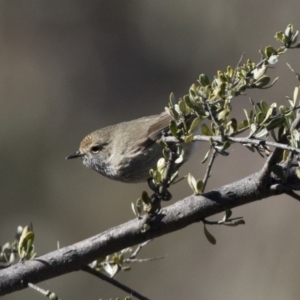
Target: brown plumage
x=125 y=151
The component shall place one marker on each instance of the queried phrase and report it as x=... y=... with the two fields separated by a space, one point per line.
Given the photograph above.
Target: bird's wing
x=159 y=123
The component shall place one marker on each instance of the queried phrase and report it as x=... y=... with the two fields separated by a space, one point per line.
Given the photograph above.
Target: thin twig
x=272 y=160
x=114 y=282
x=293 y=195
x=136 y=260
x=279 y=187
x=237 y=66
x=241 y=140
x=221 y=222
x=161 y=191
x=285 y=187
x=178 y=180
x=210 y=222
x=142 y=260
x=276 y=156
x=45 y=293
x=138 y=249
x=169 y=170
x=209 y=166
x=214 y=120
x=296 y=122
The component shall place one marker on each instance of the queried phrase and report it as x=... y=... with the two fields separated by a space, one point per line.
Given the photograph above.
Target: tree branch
x=185 y=212
x=208 y=170
x=114 y=282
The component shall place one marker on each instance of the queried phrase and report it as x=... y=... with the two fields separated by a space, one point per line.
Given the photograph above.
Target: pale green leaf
x=194 y=124
x=205 y=157
x=205 y=130
x=189 y=138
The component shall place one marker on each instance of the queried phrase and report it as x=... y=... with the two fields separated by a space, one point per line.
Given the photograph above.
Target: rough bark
x=177 y=216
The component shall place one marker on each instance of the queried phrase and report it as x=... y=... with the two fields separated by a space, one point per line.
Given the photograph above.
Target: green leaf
x=111 y=269
x=221 y=148
x=285 y=156
x=166 y=153
x=145 y=197
x=161 y=164
x=264 y=106
x=273 y=59
x=133 y=209
x=281 y=50
x=269 y=50
x=230 y=72
x=273 y=82
x=259 y=72
x=295 y=134
x=162 y=143
x=268 y=115
x=194 y=124
x=262 y=81
x=259 y=117
x=189 y=138
x=151 y=171
x=182 y=106
x=193 y=91
x=172 y=100
x=139 y=206
x=200 y=185
x=233 y=124
x=262 y=134
x=203 y=80
x=280 y=37
x=174 y=114
x=243 y=125
x=247 y=117
x=253 y=128
x=291 y=102
x=173 y=128
x=190 y=103
x=209 y=236
x=179 y=159
x=205 y=130
x=228 y=214
x=275 y=123
x=295 y=96
x=25 y=243
x=205 y=157
x=289 y=31
x=295 y=37
x=192 y=183
x=52 y=296
x=157 y=176
x=280 y=132
x=222 y=115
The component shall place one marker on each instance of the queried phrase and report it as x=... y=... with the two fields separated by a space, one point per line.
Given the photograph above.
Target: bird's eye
x=95 y=149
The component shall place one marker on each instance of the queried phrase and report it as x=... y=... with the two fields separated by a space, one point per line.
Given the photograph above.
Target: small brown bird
x=125 y=151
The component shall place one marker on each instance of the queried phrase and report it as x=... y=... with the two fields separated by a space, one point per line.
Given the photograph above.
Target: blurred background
x=71 y=67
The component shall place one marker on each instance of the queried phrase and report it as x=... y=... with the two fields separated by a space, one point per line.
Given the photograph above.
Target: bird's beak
x=75 y=155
